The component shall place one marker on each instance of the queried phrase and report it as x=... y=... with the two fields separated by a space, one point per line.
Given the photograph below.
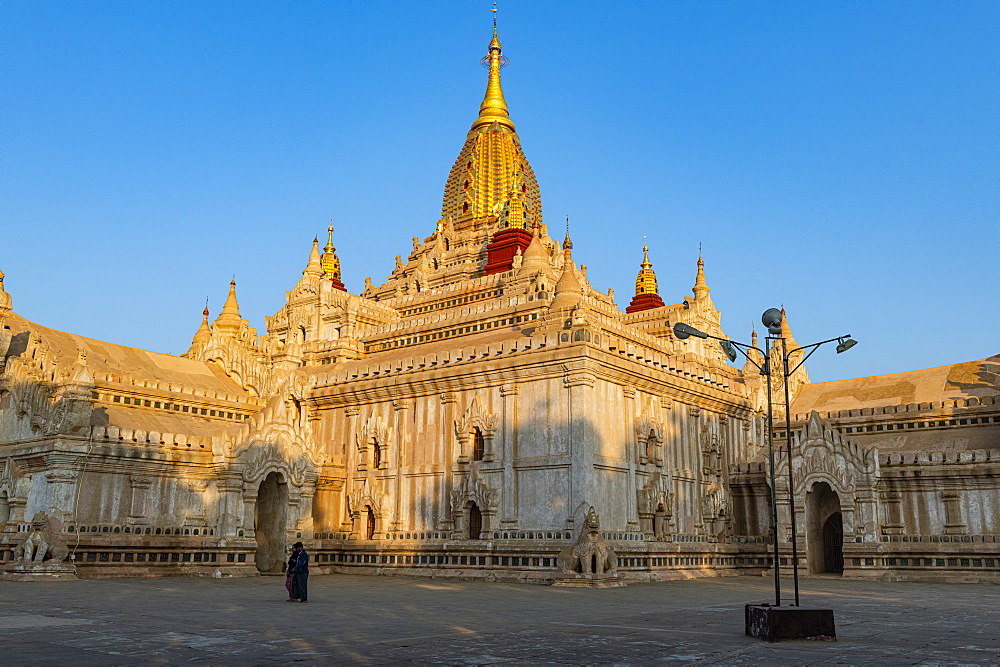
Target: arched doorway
x=369 y=523
x=269 y=523
x=475 y=521
x=824 y=530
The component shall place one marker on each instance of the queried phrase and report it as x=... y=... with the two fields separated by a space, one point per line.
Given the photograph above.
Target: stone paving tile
x=383 y=620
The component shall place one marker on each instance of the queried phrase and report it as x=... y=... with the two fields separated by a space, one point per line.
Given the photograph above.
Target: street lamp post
x=844 y=343
x=772 y=319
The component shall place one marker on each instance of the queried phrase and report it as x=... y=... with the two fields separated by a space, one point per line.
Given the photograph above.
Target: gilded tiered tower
x=491 y=183
x=647 y=294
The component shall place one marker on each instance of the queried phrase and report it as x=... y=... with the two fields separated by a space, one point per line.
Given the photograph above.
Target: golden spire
x=331 y=265
x=645 y=282
x=494 y=106
x=700 y=288
x=483 y=176
x=567 y=243
x=229 y=320
x=204 y=333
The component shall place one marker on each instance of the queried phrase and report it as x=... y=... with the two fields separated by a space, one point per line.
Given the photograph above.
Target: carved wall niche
x=649 y=441
x=369 y=510
x=373 y=441
x=470 y=495
x=654 y=503
x=711 y=453
x=475 y=431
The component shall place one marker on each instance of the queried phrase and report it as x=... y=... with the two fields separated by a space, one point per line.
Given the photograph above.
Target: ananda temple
x=484 y=411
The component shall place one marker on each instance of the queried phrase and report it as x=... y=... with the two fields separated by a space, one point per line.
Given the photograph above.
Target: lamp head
x=683 y=331
x=729 y=349
x=772 y=320
x=845 y=343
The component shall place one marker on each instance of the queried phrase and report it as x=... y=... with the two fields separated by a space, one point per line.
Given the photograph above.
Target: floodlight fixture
x=772 y=320
x=729 y=349
x=845 y=343
x=683 y=331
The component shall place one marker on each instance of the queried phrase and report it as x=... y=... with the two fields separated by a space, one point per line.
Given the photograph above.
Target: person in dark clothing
x=300 y=585
x=290 y=575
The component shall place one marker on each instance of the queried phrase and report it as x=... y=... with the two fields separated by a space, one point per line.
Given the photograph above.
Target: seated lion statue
x=591 y=554
x=43 y=545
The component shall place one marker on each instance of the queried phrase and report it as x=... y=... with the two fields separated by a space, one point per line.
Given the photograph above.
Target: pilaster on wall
x=953 y=522
x=893 y=516
x=196 y=492
x=249 y=509
x=448 y=402
x=579 y=382
x=137 y=508
x=403 y=435
x=63 y=491
x=231 y=508
x=509 y=427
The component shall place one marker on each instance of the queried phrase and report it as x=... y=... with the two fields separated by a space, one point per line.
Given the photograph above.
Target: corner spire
x=494 y=106
x=314 y=267
x=204 y=333
x=700 y=288
x=647 y=294
x=568 y=290
x=229 y=320
x=786 y=331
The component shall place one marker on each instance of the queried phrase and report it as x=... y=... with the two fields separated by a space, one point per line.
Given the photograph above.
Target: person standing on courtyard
x=290 y=575
x=300 y=585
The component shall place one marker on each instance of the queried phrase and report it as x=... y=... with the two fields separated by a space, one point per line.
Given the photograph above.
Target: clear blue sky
x=838 y=157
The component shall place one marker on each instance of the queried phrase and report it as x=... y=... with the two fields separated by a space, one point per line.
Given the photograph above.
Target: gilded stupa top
x=645 y=282
x=329 y=260
x=492 y=165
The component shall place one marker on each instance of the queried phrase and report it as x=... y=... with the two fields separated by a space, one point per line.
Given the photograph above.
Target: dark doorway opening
x=270 y=517
x=833 y=543
x=824 y=530
x=369 y=523
x=475 y=521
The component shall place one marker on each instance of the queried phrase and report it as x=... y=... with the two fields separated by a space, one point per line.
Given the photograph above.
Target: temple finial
x=494 y=107
x=700 y=288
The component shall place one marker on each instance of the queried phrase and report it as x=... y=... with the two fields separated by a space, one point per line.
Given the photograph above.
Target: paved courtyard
x=354 y=619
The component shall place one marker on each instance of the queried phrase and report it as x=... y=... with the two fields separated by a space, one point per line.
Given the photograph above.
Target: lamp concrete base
x=778 y=624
